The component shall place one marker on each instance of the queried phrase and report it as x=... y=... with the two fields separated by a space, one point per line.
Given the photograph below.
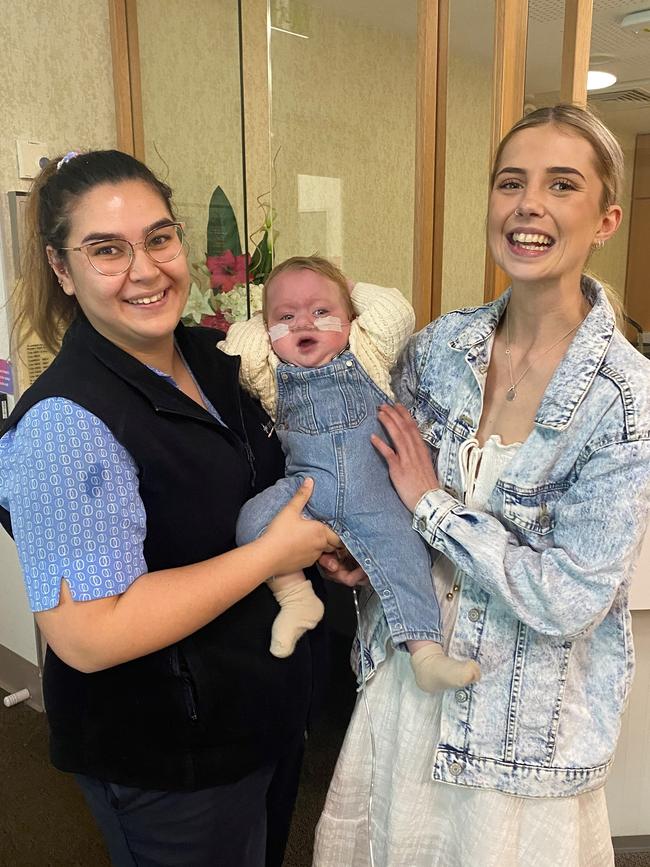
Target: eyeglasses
x=113 y=256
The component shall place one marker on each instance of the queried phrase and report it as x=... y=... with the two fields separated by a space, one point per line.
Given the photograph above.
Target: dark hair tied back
x=40 y=305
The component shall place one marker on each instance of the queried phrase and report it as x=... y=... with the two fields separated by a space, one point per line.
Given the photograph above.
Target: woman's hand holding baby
x=409 y=460
x=298 y=541
x=342 y=568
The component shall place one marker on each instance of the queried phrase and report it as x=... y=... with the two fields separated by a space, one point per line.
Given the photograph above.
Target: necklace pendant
x=511 y=394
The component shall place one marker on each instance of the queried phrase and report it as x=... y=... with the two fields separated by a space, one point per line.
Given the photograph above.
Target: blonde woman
x=525 y=460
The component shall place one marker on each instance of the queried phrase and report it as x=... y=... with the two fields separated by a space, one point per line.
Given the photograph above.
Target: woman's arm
x=162 y=607
x=79 y=525
x=599 y=525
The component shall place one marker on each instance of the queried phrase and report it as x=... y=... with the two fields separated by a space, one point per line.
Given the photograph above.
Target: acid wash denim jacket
x=545 y=571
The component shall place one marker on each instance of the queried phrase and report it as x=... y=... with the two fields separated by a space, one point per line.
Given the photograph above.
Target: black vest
x=216 y=705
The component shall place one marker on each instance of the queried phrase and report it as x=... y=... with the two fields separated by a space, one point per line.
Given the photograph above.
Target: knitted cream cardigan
x=385 y=320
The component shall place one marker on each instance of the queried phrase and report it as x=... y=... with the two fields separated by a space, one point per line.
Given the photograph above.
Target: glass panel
x=625 y=108
x=467 y=161
x=343 y=134
x=544 y=53
x=192 y=125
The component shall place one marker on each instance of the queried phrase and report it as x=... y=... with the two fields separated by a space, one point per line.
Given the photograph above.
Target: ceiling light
x=598 y=80
x=638 y=21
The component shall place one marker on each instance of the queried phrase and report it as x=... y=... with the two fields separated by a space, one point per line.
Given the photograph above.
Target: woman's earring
x=598 y=244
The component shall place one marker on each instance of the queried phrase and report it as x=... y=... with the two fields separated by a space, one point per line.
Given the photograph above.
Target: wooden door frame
x=575 y=51
x=125 y=52
x=509 y=82
x=430 y=146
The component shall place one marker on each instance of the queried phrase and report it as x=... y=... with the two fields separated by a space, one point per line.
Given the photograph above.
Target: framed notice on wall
x=34 y=357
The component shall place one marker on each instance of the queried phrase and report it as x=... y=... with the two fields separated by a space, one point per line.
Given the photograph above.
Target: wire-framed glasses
x=113 y=256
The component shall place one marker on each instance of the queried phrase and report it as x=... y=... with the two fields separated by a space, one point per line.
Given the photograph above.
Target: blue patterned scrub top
x=76 y=512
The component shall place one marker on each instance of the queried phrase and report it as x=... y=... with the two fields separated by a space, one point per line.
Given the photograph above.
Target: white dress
x=419 y=822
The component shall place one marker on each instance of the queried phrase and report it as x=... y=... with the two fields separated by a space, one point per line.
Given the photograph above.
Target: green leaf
x=261 y=260
x=223 y=233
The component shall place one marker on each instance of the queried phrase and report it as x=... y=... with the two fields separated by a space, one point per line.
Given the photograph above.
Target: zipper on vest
x=250 y=457
x=180 y=669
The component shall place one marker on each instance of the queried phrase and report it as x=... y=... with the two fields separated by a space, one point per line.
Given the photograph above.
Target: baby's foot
x=300 y=610
x=434 y=670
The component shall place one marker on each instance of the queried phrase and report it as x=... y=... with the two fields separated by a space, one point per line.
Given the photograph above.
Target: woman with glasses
x=122 y=472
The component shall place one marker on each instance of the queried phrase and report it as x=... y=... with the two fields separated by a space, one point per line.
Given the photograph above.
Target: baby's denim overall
x=324 y=421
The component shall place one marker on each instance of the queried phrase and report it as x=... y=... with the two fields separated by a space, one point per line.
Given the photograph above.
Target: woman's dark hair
x=39 y=303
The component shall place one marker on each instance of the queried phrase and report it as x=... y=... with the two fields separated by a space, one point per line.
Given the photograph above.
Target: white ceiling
x=613 y=48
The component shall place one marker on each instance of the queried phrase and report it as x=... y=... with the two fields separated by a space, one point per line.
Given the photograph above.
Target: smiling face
x=545 y=208
x=137 y=310
x=298 y=299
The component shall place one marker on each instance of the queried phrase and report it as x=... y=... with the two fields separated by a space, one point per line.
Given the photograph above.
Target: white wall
x=55 y=86
x=628 y=787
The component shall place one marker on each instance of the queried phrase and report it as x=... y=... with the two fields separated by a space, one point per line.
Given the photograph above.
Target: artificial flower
x=216 y=320
x=197 y=305
x=234 y=304
x=227 y=270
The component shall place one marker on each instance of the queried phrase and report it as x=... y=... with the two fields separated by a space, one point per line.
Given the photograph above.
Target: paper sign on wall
x=6 y=377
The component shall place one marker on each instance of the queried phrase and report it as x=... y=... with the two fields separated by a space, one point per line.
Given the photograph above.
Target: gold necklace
x=511 y=394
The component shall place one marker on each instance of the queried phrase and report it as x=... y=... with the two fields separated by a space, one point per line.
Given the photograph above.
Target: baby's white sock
x=300 y=610
x=434 y=670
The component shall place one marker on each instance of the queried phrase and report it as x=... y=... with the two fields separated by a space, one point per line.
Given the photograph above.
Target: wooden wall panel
x=575 y=51
x=510 y=35
x=637 y=284
x=433 y=39
x=125 y=52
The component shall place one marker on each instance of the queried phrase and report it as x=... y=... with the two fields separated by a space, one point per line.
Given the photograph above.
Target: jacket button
x=421 y=524
x=285 y=376
x=348 y=364
x=461 y=695
x=474 y=615
x=545 y=522
x=385 y=593
x=455 y=768
x=482 y=368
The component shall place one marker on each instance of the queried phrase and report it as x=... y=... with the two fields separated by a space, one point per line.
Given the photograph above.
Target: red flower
x=217 y=321
x=227 y=270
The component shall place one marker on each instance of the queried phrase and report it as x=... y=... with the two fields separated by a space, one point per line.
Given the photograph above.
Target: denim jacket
x=545 y=571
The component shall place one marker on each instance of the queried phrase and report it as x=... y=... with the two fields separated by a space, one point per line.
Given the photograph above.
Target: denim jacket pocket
x=430 y=417
x=532 y=510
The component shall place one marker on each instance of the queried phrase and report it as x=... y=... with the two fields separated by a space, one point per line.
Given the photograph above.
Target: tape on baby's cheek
x=277 y=332
x=328 y=323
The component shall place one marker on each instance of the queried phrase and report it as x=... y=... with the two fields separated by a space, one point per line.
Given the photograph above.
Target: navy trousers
x=242 y=824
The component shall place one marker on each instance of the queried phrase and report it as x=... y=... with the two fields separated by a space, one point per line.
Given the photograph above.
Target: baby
x=319 y=359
